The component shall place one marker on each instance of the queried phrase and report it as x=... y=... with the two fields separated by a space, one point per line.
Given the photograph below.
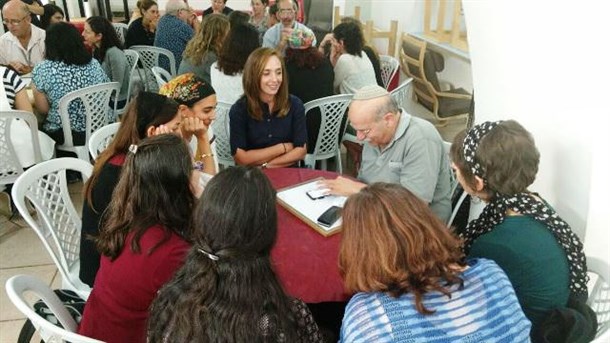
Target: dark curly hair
x=351 y=35
x=101 y=25
x=49 y=11
x=63 y=43
x=240 y=42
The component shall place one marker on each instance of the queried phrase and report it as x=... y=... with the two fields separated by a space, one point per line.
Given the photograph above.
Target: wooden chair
x=444 y=106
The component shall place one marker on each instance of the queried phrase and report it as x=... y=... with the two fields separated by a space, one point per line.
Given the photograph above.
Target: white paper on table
x=297 y=198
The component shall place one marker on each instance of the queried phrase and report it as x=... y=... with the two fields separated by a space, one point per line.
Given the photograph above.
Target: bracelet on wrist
x=207 y=155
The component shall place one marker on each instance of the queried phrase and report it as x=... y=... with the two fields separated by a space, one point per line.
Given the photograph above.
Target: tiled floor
x=22 y=252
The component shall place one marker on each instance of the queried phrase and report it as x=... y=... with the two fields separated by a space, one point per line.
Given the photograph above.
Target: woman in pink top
x=143 y=240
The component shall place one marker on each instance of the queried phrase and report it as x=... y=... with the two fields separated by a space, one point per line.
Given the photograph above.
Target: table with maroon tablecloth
x=304 y=260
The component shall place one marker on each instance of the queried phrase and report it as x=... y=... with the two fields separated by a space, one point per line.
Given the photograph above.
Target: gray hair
x=174 y=6
x=388 y=105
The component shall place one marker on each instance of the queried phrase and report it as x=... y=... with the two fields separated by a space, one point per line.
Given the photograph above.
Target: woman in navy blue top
x=267 y=124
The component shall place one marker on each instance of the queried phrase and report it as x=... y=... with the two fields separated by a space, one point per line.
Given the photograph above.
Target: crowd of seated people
x=154 y=243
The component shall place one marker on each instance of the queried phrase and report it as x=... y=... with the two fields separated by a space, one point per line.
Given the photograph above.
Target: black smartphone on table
x=330 y=216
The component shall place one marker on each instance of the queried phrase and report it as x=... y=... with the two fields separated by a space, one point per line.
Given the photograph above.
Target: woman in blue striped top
x=410 y=280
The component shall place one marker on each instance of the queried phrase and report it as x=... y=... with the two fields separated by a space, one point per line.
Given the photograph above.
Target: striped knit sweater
x=485 y=310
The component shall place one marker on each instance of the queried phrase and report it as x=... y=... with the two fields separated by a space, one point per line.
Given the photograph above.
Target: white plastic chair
x=332 y=110
x=11 y=168
x=161 y=76
x=221 y=127
x=18 y=285
x=399 y=94
x=97 y=112
x=121 y=31
x=101 y=138
x=389 y=67
x=132 y=60
x=149 y=56
x=58 y=224
x=599 y=296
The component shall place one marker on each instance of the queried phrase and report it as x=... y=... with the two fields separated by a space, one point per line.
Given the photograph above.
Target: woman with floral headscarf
x=520 y=231
x=197 y=108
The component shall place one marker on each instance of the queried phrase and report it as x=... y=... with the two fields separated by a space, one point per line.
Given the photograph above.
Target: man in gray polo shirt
x=398 y=148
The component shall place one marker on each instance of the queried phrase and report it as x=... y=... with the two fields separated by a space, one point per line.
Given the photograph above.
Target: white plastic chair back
x=389 y=67
x=101 y=138
x=332 y=110
x=95 y=100
x=132 y=61
x=161 y=76
x=58 y=224
x=10 y=168
x=121 y=31
x=599 y=296
x=221 y=126
x=149 y=56
x=399 y=94
x=18 y=285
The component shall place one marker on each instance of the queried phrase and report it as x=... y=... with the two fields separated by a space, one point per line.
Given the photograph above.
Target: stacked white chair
x=161 y=76
x=132 y=60
x=399 y=94
x=121 y=31
x=57 y=222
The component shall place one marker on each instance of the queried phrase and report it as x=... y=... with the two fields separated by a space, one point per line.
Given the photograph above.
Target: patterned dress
x=56 y=79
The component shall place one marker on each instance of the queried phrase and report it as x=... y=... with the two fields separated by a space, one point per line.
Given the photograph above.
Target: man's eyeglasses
x=364 y=132
x=14 y=21
x=285 y=11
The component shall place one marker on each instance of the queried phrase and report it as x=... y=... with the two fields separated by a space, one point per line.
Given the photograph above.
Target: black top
x=376 y=64
x=225 y=11
x=101 y=194
x=311 y=84
x=137 y=35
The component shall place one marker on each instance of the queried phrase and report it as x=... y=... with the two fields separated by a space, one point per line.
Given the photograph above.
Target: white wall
x=539 y=63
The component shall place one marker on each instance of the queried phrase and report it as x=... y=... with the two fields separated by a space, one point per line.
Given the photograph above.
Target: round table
x=305 y=262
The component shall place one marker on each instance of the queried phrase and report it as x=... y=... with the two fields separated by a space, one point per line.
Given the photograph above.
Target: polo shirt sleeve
x=299 y=126
x=420 y=167
x=238 y=125
x=268 y=38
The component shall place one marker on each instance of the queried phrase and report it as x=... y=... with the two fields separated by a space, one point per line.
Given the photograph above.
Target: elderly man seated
x=398 y=148
x=175 y=28
x=277 y=35
x=22 y=47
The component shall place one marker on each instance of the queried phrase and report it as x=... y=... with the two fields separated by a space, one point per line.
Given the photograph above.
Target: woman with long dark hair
x=100 y=36
x=410 y=280
x=148 y=114
x=226 y=74
x=227 y=290
x=267 y=124
x=67 y=67
x=144 y=238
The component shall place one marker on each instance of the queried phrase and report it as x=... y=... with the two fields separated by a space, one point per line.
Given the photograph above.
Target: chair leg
x=339 y=166
x=324 y=165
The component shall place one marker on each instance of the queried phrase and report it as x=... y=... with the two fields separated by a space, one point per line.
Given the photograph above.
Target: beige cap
x=370 y=92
